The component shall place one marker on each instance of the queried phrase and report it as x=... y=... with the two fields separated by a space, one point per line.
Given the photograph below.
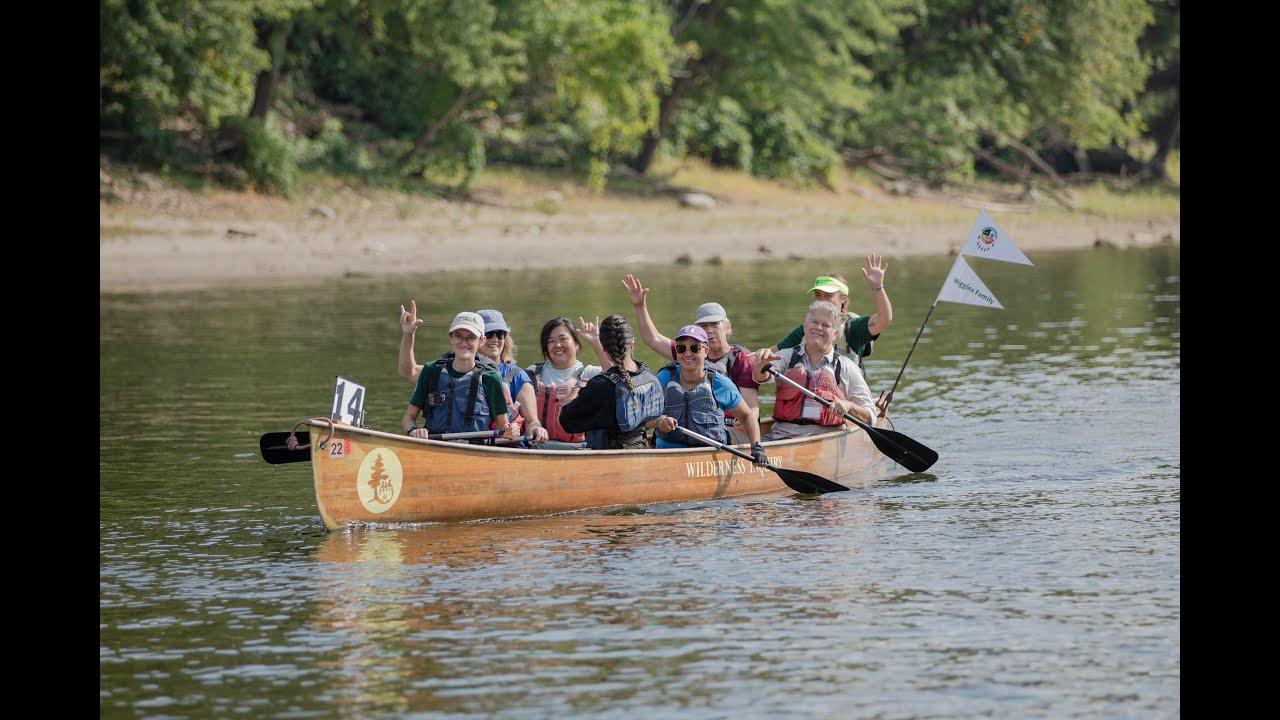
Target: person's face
x=562 y=348
x=494 y=340
x=464 y=342
x=835 y=298
x=690 y=353
x=819 y=331
x=717 y=337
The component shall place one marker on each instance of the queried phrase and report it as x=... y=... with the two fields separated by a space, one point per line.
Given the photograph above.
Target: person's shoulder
x=490 y=371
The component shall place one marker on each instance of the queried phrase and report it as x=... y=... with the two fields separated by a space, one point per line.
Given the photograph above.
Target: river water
x=1033 y=572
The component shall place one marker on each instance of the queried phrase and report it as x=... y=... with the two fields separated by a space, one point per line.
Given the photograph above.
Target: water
x=1033 y=572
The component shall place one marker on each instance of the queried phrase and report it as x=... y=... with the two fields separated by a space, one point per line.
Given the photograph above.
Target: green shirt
x=490 y=382
x=857 y=336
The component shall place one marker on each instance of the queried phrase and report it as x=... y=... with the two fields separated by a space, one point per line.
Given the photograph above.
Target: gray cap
x=710 y=312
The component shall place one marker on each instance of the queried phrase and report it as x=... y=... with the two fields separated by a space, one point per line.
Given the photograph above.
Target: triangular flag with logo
x=963 y=286
x=987 y=240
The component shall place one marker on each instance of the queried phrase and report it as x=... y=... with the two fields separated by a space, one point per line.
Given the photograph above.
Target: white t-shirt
x=552 y=376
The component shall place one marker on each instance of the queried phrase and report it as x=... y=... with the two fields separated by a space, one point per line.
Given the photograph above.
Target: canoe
x=365 y=476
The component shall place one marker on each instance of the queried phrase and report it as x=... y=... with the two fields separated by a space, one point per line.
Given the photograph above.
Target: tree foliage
x=432 y=89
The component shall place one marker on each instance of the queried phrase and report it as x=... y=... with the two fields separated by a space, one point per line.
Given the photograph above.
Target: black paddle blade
x=807 y=483
x=276 y=452
x=903 y=450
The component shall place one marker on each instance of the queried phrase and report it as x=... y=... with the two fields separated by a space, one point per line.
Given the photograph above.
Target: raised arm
x=591 y=331
x=874 y=273
x=656 y=341
x=409 y=322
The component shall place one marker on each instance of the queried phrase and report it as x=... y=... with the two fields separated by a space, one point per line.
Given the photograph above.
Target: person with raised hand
x=859 y=331
x=734 y=360
x=459 y=393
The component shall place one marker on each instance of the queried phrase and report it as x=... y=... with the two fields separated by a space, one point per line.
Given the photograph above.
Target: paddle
x=898 y=447
x=276 y=452
x=801 y=482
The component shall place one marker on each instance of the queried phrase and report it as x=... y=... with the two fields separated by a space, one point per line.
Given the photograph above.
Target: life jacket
x=788 y=405
x=632 y=407
x=694 y=409
x=724 y=365
x=549 y=410
x=460 y=407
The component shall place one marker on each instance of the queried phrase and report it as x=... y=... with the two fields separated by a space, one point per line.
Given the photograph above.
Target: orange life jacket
x=549 y=411
x=789 y=402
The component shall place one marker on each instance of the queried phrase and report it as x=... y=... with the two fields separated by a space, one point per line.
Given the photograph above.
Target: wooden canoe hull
x=367 y=476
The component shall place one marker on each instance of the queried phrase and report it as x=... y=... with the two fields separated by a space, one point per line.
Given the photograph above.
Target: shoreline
x=162 y=239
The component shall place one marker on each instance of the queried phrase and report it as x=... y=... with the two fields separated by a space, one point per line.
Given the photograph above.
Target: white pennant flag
x=963 y=286
x=987 y=240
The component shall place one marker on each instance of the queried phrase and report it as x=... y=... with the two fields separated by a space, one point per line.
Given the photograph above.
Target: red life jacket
x=789 y=402
x=549 y=411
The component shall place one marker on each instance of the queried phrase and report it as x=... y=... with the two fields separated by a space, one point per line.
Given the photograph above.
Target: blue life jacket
x=632 y=407
x=460 y=407
x=694 y=409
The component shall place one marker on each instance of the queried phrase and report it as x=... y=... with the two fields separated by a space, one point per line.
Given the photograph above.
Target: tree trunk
x=692 y=73
x=272 y=39
x=666 y=110
x=1167 y=130
x=429 y=134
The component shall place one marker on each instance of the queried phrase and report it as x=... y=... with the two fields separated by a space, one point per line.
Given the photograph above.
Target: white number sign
x=348 y=402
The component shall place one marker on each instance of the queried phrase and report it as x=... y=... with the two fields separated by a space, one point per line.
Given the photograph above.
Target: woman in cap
x=457 y=392
x=858 y=330
x=499 y=345
x=697 y=396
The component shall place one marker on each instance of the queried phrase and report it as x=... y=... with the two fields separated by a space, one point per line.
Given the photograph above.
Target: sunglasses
x=500 y=334
x=694 y=348
x=459 y=337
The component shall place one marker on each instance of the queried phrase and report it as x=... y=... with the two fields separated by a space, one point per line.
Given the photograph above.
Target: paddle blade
x=807 y=483
x=903 y=450
x=276 y=452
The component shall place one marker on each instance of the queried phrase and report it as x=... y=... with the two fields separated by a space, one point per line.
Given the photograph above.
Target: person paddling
x=458 y=392
x=826 y=371
x=697 y=396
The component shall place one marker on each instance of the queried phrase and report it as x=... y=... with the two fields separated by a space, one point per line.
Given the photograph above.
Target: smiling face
x=464 y=343
x=691 y=360
x=493 y=343
x=820 y=329
x=561 y=347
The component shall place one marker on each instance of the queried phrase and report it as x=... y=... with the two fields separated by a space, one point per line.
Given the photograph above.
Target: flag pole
x=885 y=398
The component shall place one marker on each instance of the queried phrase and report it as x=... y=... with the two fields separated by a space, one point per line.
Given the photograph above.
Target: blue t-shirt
x=518 y=379
x=722 y=388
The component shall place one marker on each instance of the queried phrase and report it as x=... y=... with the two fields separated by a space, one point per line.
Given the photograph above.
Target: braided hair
x=617 y=339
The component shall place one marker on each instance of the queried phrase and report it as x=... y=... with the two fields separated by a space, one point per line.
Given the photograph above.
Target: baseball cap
x=829 y=284
x=693 y=331
x=710 y=312
x=493 y=320
x=470 y=321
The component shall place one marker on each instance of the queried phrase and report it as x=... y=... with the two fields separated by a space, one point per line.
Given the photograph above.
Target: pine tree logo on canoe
x=379 y=480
